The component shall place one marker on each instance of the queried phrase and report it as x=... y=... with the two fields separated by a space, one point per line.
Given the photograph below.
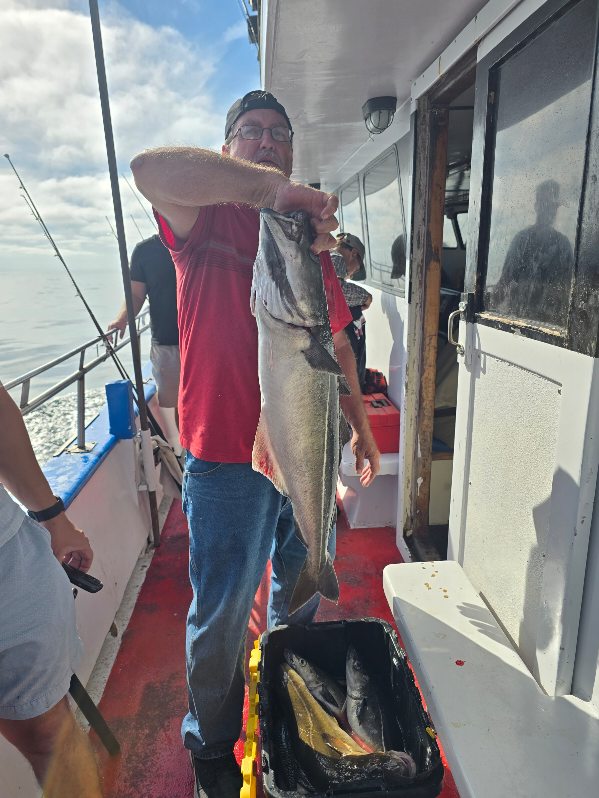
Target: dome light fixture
x=378 y=113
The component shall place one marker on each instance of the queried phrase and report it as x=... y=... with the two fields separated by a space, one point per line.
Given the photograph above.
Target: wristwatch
x=50 y=512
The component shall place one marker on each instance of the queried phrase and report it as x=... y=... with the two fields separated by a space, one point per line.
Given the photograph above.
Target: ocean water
x=41 y=318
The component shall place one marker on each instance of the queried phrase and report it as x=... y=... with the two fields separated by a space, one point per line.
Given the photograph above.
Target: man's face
x=267 y=151
x=351 y=258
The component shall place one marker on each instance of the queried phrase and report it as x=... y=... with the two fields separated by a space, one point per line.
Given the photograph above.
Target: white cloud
x=237 y=31
x=51 y=124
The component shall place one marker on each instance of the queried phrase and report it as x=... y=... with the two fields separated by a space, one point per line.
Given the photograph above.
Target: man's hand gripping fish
x=297 y=443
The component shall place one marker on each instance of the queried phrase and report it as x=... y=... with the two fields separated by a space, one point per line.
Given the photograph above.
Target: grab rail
x=26 y=405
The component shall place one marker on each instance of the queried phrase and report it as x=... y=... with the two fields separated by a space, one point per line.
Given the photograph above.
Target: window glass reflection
x=449 y=239
x=384 y=217
x=540 y=142
x=351 y=212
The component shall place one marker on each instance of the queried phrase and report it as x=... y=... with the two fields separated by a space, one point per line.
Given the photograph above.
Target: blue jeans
x=237 y=520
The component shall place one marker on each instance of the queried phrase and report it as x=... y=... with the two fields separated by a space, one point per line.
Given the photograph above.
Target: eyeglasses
x=254 y=132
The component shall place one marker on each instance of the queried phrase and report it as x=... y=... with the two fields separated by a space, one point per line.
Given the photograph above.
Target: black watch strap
x=50 y=512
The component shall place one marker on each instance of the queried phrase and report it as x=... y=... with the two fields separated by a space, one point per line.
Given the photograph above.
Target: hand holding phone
x=81 y=579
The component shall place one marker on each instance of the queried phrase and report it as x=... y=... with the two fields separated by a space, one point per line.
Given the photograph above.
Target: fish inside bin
x=340 y=713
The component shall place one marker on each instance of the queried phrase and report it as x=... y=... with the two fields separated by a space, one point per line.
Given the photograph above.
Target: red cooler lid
x=381 y=410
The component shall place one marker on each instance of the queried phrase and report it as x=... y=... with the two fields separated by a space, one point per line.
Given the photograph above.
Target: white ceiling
x=325 y=58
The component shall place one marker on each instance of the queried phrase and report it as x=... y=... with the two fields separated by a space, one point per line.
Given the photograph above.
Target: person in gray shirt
x=39 y=645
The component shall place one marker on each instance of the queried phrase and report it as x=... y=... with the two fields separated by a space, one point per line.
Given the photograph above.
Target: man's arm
x=363 y=444
x=22 y=475
x=178 y=181
x=356 y=295
x=138 y=293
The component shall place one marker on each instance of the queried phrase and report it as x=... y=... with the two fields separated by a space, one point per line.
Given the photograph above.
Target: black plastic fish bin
x=291 y=768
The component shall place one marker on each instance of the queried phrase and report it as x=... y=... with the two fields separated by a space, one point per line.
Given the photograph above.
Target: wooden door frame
x=430 y=172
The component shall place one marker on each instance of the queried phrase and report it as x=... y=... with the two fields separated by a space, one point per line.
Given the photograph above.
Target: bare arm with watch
x=21 y=474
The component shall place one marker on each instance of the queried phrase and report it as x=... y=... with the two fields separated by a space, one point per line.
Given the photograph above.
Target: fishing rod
x=146 y=446
x=141 y=205
x=105 y=336
x=111 y=229
x=38 y=217
x=137 y=226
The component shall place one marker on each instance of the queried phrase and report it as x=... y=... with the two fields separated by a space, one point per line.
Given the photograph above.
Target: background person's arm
x=138 y=294
x=178 y=181
x=363 y=444
x=21 y=474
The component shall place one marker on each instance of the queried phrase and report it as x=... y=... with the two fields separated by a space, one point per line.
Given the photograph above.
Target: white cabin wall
x=526 y=488
x=529 y=488
x=513 y=455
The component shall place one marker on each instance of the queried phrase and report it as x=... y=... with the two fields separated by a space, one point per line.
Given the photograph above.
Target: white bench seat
x=503 y=736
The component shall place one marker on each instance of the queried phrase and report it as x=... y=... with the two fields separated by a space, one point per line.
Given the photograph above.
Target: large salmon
x=297 y=443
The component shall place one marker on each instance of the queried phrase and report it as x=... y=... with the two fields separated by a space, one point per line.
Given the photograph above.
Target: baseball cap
x=252 y=101
x=353 y=242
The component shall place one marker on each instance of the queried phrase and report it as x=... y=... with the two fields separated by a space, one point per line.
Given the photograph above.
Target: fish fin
x=320 y=358
x=263 y=460
x=344 y=389
x=344 y=431
x=326 y=584
x=329 y=699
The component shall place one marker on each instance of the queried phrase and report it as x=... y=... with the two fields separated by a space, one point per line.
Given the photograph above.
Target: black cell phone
x=81 y=579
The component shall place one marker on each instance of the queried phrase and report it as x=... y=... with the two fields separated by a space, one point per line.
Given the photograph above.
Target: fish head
x=301 y=666
x=287 y=274
x=355 y=674
x=324 y=688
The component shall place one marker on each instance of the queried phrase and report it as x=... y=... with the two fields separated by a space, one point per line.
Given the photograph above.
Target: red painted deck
x=146 y=695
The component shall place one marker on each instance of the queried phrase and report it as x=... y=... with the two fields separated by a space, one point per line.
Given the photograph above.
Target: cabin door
x=525 y=450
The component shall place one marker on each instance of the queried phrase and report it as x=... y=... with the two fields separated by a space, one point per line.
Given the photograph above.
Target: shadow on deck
x=145 y=697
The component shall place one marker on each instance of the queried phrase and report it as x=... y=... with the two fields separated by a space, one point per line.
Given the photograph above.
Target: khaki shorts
x=166 y=365
x=39 y=644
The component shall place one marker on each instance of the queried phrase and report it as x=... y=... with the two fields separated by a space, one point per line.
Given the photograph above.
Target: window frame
x=370 y=280
x=582 y=326
x=339 y=192
x=367 y=170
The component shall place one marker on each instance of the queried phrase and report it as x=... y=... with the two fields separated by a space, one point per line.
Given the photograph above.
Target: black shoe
x=217 y=778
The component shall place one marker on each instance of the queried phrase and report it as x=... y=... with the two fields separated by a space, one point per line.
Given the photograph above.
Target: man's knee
x=38 y=736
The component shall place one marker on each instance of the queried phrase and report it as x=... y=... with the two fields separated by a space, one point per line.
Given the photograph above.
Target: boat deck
x=145 y=696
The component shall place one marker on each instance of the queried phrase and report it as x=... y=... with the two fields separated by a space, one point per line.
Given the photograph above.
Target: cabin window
x=461 y=221
x=385 y=223
x=538 y=132
x=351 y=211
x=449 y=237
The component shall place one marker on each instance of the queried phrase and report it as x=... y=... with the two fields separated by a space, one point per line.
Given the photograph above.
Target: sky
x=173 y=69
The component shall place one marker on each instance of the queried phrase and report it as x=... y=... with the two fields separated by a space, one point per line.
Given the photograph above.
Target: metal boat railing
x=27 y=405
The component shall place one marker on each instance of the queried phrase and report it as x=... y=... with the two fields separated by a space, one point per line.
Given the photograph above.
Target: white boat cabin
x=479 y=209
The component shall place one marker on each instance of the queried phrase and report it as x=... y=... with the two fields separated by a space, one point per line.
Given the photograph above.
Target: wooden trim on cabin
x=425 y=276
x=433 y=245
x=456 y=81
x=414 y=321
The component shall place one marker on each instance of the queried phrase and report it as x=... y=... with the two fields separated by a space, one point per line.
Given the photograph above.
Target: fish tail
x=307 y=586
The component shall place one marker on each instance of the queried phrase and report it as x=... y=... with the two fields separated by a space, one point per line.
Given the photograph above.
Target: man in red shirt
x=207 y=208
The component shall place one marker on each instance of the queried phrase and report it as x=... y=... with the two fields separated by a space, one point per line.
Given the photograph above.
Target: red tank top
x=219 y=393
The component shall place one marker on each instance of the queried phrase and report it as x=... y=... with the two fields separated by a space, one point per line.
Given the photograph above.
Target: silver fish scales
x=297 y=444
